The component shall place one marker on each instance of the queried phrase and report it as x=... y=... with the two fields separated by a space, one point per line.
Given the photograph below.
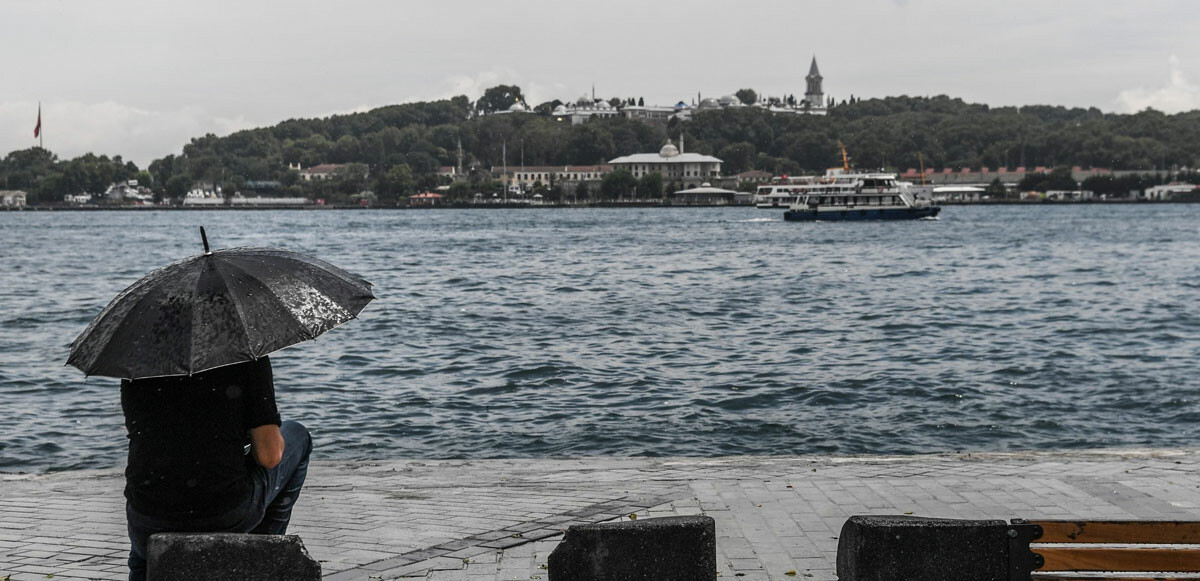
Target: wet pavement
x=777 y=517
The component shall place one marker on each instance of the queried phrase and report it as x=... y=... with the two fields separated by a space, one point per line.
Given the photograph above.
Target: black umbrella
x=217 y=309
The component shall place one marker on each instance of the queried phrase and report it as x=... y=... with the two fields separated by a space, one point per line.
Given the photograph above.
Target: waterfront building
x=523 y=179
x=704 y=195
x=425 y=199
x=128 y=191
x=755 y=176
x=12 y=198
x=689 y=169
x=1070 y=195
x=955 y=193
x=1168 y=191
x=240 y=200
x=1009 y=177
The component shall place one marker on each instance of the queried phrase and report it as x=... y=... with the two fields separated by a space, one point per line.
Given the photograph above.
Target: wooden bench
x=898 y=548
x=1126 y=550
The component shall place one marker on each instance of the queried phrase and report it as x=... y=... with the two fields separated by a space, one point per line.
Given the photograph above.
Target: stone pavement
x=499 y=519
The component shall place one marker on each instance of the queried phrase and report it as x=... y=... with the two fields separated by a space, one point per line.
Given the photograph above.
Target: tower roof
x=812 y=70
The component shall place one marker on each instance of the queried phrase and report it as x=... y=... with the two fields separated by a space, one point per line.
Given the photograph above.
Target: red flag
x=37 y=130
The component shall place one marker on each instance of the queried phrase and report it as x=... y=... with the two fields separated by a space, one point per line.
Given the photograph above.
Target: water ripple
x=659 y=332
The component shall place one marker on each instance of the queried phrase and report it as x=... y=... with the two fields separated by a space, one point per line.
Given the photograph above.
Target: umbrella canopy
x=217 y=309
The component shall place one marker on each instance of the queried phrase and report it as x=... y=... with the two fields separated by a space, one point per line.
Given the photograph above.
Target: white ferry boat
x=844 y=195
x=781 y=193
x=841 y=195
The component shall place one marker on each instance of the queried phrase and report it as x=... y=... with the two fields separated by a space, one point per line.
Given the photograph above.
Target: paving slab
x=498 y=520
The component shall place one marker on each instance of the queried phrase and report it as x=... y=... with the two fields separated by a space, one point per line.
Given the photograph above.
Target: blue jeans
x=267 y=511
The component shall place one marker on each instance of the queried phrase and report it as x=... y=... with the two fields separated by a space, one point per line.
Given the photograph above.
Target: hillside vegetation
x=396 y=150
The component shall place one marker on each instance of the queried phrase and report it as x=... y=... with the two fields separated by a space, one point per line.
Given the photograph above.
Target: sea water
x=657 y=331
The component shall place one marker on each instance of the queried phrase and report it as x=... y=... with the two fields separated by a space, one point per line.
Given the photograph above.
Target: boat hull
x=861 y=214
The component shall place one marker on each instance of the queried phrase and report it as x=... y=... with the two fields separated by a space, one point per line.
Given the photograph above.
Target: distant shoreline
x=58 y=208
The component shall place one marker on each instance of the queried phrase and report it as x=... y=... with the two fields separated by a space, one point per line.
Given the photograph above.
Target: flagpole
x=37 y=131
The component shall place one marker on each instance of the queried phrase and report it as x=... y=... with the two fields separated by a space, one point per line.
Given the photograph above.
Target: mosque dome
x=730 y=101
x=517 y=107
x=709 y=103
x=584 y=101
x=560 y=110
x=668 y=150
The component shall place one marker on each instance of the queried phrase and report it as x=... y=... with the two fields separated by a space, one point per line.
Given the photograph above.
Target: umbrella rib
x=237 y=305
x=108 y=344
x=272 y=296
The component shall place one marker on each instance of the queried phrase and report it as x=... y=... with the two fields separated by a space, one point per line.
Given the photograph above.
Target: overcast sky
x=139 y=78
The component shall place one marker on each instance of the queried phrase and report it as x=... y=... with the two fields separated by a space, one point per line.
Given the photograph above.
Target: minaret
x=814 y=95
x=460 y=155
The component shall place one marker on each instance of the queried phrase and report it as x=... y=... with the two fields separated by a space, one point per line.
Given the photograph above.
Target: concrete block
x=681 y=548
x=900 y=548
x=190 y=556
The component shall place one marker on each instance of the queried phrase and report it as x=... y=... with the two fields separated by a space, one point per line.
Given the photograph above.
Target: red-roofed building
x=755 y=175
x=425 y=199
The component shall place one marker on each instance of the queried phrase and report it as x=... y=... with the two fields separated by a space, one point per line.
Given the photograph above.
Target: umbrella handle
x=204 y=238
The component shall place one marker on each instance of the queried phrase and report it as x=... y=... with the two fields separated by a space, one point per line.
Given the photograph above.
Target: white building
x=129 y=191
x=1168 y=191
x=957 y=193
x=321 y=172
x=658 y=113
x=584 y=108
x=12 y=198
x=689 y=169
x=523 y=179
x=1070 y=195
x=812 y=104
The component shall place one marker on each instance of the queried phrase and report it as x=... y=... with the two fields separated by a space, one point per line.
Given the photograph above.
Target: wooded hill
x=396 y=150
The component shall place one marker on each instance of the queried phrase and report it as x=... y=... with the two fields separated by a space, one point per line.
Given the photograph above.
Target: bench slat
x=1147 y=532
x=1119 y=559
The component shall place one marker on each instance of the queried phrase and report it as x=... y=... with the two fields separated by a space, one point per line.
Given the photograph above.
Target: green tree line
x=396 y=150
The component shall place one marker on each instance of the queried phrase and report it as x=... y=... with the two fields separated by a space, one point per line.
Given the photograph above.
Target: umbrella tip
x=204 y=238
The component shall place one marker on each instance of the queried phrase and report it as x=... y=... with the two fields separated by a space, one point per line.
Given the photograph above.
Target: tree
x=641 y=101
x=1058 y=179
x=178 y=186
x=396 y=183
x=650 y=186
x=290 y=178
x=618 y=184
x=582 y=191
x=459 y=191
x=747 y=96
x=996 y=189
x=499 y=98
x=737 y=157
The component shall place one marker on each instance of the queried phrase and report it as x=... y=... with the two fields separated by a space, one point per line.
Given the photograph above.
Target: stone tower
x=814 y=95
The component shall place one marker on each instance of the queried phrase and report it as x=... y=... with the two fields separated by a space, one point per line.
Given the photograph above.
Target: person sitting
x=208 y=453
